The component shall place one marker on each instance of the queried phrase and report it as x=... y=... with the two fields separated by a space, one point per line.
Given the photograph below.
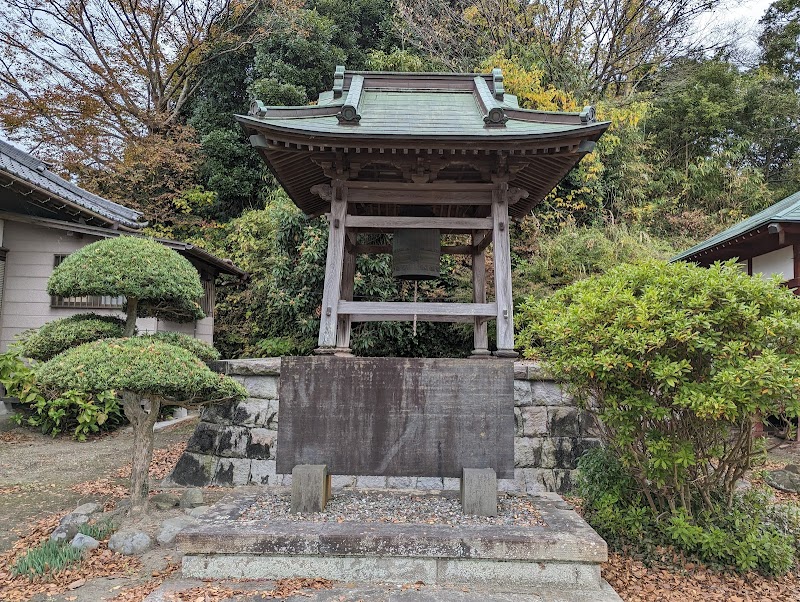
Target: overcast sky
x=739 y=19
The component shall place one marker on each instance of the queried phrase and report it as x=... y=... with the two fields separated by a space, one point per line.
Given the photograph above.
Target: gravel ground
x=396 y=507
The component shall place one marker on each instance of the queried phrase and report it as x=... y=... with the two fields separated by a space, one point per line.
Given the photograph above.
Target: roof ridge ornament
x=338 y=81
x=257 y=108
x=349 y=113
x=497 y=80
x=588 y=115
x=493 y=114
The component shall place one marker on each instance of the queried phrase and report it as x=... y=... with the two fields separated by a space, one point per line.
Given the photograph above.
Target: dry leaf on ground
x=635 y=582
x=101 y=562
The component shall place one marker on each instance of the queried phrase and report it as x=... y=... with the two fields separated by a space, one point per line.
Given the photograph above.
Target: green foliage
x=99 y=531
x=280 y=346
x=82 y=413
x=397 y=60
x=141 y=365
x=301 y=54
x=48 y=558
x=574 y=253
x=201 y=349
x=677 y=361
x=58 y=335
x=752 y=533
x=778 y=40
x=165 y=284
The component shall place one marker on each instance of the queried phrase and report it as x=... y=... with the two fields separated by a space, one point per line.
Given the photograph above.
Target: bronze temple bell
x=416 y=252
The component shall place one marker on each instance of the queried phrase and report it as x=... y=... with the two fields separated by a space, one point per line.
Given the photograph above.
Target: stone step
x=392 y=593
x=562 y=553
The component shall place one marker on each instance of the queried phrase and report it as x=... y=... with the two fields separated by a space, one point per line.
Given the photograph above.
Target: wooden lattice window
x=87 y=302
x=207 y=303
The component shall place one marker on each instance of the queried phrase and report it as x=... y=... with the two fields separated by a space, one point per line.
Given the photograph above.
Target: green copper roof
x=786 y=210
x=420 y=114
x=419 y=127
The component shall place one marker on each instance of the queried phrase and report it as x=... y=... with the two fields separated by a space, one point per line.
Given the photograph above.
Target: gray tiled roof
x=21 y=166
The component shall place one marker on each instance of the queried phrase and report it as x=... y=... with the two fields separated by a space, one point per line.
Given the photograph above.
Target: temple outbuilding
x=768 y=243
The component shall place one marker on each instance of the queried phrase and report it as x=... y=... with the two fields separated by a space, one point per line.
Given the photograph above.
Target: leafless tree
x=86 y=76
x=612 y=40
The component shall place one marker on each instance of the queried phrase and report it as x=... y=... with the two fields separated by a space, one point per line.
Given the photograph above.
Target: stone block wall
x=235 y=444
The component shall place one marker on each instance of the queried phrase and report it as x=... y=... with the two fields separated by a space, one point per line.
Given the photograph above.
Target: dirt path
x=37 y=471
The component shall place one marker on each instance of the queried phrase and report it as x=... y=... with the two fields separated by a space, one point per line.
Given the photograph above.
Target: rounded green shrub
x=59 y=335
x=157 y=280
x=141 y=365
x=201 y=349
x=678 y=362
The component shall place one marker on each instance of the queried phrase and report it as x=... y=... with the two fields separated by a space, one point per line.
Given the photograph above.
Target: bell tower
x=419 y=156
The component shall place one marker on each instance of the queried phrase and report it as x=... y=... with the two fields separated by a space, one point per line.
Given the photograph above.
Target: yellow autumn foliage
x=526 y=84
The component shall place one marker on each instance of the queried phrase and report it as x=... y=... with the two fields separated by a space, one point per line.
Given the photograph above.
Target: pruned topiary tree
x=140 y=369
x=155 y=281
x=147 y=371
x=201 y=349
x=59 y=335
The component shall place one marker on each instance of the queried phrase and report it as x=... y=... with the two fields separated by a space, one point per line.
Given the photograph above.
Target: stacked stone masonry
x=235 y=444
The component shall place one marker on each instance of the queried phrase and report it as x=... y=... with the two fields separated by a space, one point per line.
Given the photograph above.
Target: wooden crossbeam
x=395 y=311
x=415 y=187
x=379 y=222
x=387 y=249
x=420 y=197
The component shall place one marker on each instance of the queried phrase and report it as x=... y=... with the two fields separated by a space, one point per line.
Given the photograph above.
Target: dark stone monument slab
x=396 y=416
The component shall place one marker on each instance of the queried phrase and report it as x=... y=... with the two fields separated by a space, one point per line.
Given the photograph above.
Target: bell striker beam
x=502 y=272
x=334 y=266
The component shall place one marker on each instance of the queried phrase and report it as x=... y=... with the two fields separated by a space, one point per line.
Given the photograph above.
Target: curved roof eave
x=596 y=128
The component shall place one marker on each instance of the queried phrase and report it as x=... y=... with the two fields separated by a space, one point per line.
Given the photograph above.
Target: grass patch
x=97 y=530
x=47 y=558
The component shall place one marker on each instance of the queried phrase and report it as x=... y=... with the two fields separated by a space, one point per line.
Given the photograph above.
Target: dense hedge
x=59 y=335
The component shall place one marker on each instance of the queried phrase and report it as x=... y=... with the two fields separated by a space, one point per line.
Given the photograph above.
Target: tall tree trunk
x=130 y=318
x=142 y=422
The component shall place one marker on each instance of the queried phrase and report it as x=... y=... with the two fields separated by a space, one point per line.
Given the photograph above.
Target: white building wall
x=775 y=262
x=29 y=263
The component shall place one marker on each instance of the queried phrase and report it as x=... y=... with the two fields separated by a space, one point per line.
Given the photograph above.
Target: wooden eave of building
x=432 y=122
x=767 y=238
x=775 y=227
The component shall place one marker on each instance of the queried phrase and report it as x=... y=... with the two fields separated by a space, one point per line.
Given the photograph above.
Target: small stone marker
x=311 y=488
x=479 y=491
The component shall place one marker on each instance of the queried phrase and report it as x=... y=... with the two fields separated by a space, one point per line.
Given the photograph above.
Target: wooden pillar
x=502 y=272
x=481 y=335
x=348 y=284
x=334 y=265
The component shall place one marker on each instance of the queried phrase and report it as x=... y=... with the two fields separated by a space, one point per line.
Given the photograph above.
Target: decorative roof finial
x=588 y=115
x=338 y=81
x=257 y=108
x=499 y=89
x=349 y=113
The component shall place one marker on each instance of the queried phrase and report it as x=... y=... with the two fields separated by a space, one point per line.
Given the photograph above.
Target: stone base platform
x=561 y=555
